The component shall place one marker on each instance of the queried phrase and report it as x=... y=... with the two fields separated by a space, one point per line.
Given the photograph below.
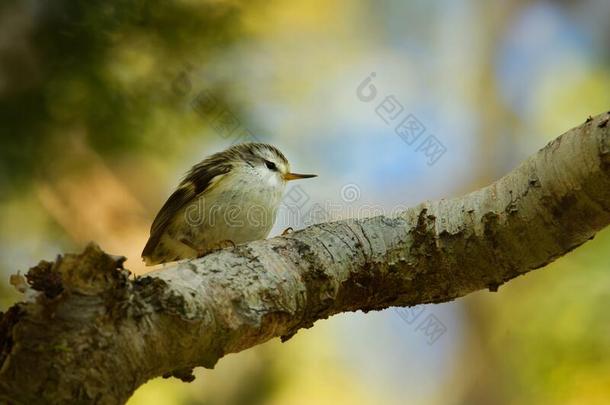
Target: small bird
x=231 y=197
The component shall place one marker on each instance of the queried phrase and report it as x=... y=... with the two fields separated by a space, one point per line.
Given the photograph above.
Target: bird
x=229 y=198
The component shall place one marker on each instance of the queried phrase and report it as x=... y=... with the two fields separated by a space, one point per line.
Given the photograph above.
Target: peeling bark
x=90 y=332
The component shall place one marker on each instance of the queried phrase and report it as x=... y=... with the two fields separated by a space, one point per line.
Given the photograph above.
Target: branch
x=90 y=333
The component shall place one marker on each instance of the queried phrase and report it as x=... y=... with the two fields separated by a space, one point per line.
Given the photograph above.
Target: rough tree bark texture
x=88 y=332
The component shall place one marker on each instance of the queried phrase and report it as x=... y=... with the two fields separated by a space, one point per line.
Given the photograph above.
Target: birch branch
x=91 y=333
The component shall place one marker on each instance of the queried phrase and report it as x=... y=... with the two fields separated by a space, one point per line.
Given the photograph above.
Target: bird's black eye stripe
x=270 y=165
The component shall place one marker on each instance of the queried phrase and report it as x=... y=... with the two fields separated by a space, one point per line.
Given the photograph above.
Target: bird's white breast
x=240 y=208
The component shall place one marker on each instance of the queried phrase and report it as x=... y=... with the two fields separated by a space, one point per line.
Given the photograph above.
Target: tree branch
x=90 y=333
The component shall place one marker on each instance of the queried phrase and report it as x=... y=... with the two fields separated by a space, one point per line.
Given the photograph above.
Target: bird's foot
x=223 y=244
x=287 y=231
x=200 y=252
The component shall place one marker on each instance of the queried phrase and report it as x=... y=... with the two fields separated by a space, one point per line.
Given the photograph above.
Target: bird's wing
x=202 y=177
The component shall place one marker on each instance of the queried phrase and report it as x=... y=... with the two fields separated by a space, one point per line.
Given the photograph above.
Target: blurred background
x=105 y=104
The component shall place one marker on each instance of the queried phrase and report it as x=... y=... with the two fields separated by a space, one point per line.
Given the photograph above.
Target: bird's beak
x=296 y=176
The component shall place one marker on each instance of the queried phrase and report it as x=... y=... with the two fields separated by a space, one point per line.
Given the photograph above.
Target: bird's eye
x=270 y=165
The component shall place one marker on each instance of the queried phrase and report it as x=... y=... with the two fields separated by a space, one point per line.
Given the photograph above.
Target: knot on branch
x=91 y=272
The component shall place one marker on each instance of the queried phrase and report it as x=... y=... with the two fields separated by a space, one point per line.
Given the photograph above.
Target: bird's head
x=267 y=161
